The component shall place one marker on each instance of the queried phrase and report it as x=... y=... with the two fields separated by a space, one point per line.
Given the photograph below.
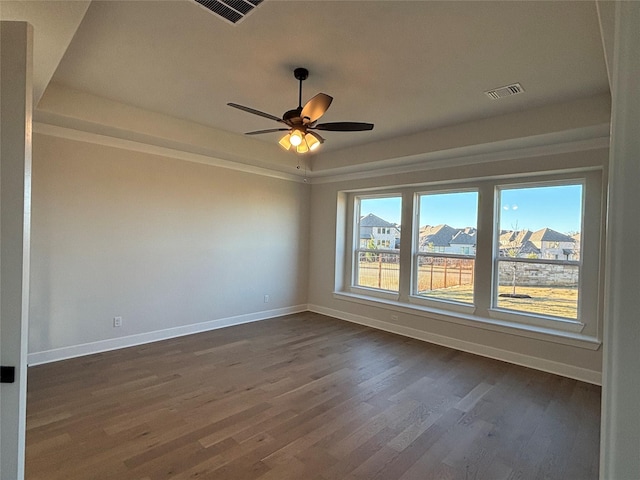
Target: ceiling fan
x=301 y=123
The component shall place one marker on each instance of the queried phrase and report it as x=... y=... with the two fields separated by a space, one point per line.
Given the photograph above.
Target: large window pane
x=378 y=244
x=538 y=261
x=446 y=246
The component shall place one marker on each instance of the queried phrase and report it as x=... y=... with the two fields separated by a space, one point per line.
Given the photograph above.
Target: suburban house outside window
x=537 y=268
x=445 y=244
x=377 y=246
x=520 y=255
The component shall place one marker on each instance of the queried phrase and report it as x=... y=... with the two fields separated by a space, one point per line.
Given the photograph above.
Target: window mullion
x=483 y=282
x=406 y=244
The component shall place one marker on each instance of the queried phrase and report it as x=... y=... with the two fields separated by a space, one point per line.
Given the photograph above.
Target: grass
x=555 y=301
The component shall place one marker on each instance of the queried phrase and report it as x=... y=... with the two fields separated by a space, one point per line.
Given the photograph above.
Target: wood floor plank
x=305 y=397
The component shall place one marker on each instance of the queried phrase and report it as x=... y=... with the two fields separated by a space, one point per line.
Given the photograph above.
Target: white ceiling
x=406 y=66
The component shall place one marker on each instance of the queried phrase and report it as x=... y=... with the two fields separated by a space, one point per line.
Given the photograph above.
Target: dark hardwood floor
x=306 y=397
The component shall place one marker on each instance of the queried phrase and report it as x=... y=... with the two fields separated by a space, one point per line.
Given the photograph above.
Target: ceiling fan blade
x=271 y=130
x=256 y=112
x=315 y=107
x=344 y=126
x=318 y=136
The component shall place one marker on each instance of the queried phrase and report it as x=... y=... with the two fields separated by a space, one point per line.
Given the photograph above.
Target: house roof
x=528 y=248
x=548 y=235
x=514 y=238
x=523 y=242
x=437 y=236
x=371 y=220
x=462 y=238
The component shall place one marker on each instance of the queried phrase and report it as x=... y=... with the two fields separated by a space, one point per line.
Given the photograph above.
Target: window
x=523 y=255
x=538 y=250
x=377 y=257
x=445 y=241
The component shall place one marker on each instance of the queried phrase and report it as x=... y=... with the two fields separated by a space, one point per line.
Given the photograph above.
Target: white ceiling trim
x=576 y=140
x=95 y=138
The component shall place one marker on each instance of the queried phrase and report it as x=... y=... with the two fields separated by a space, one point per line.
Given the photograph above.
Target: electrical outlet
x=266 y=299
x=117 y=322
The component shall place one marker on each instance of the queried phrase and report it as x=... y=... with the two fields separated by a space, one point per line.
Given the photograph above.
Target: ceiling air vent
x=505 y=91
x=231 y=10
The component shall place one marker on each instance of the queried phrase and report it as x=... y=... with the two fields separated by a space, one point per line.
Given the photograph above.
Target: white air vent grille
x=231 y=10
x=506 y=91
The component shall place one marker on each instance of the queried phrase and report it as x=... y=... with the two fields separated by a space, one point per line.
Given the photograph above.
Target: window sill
x=375 y=293
x=453 y=307
x=538 y=332
x=513 y=316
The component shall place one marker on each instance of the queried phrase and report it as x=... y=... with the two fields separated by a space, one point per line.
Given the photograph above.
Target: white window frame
x=425 y=300
x=530 y=318
x=585 y=333
x=356 y=249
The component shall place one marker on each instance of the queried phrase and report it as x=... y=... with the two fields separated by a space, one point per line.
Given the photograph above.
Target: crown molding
x=576 y=140
x=154 y=149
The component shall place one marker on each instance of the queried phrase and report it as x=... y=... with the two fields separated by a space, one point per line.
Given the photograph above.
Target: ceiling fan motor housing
x=293 y=116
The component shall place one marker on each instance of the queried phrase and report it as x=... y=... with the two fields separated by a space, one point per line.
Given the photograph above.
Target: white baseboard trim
x=54 y=355
x=577 y=373
x=57 y=354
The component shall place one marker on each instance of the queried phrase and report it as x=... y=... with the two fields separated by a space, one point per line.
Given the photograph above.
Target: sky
x=457 y=210
x=558 y=207
x=388 y=208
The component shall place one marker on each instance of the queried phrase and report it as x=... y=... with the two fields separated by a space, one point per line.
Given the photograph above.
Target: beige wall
x=161 y=242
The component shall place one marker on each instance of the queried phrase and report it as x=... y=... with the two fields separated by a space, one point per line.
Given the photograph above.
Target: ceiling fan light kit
x=312 y=140
x=301 y=120
x=302 y=147
x=302 y=142
x=295 y=137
